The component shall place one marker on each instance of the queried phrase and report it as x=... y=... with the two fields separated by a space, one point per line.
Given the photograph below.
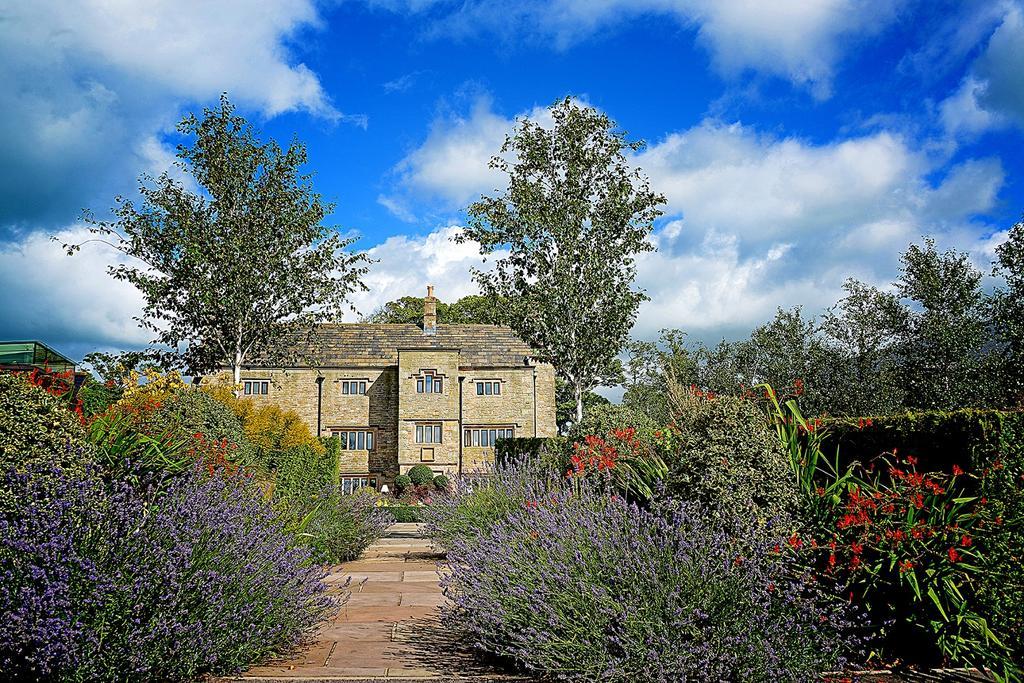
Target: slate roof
x=376 y=344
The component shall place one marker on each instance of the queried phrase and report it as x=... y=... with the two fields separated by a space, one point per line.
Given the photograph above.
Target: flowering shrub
x=621 y=458
x=585 y=587
x=36 y=426
x=909 y=544
x=111 y=584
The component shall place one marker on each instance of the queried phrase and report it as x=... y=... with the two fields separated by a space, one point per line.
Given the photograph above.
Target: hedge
x=530 y=448
x=404 y=513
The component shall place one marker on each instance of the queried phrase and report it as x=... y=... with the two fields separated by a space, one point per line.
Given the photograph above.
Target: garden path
x=389 y=629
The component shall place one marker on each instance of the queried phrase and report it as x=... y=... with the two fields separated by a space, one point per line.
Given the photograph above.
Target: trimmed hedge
x=421 y=475
x=533 y=449
x=982 y=442
x=404 y=513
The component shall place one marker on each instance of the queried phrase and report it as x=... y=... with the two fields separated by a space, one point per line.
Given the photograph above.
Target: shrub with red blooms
x=109 y=582
x=904 y=543
x=583 y=586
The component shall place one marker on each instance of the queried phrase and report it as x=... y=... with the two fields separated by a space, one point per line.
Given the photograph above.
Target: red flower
x=957 y=471
x=906 y=566
x=911 y=460
x=954 y=555
x=795 y=542
x=966 y=541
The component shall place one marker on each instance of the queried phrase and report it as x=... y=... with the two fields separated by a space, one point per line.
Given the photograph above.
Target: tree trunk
x=579 y=403
x=236 y=374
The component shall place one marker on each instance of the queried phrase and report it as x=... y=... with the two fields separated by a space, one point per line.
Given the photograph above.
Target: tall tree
x=649 y=367
x=1008 y=313
x=244 y=268
x=573 y=218
x=865 y=327
x=942 y=349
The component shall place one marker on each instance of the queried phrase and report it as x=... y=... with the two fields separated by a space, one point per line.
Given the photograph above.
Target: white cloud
x=800 y=40
x=67 y=299
x=992 y=94
x=89 y=86
x=755 y=221
x=407 y=264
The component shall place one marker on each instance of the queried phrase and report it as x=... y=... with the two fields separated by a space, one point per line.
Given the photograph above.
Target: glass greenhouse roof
x=33 y=353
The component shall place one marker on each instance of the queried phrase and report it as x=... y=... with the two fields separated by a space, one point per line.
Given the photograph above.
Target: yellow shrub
x=153 y=391
x=268 y=426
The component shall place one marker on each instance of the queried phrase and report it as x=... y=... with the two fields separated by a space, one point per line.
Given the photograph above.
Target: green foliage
x=403 y=513
x=981 y=442
x=421 y=475
x=603 y=419
x=1008 y=313
x=124 y=452
x=402 y=482
x=935 y=565
x=473 y=309
x=190 y=411
x=36 y=427
x=722 y=453
x=572 y=220
x=303 y=472
x=338 y=527
x=442 y=483
x=565 y=403
x=550 y=452
x=96 y=397
x=203 y=296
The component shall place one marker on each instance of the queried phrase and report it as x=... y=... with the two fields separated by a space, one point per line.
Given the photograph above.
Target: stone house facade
x=400 y=395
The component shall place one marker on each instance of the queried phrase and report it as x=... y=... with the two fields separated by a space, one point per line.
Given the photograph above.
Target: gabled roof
x=377 y=344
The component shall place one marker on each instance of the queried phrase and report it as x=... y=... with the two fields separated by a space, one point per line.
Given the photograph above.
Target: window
x=353 y=386
x=488 y=388
x=428 y=433
x=256 y=387
x=429 y=383
x=485 y=437
x=354 y=439
x=350 y=483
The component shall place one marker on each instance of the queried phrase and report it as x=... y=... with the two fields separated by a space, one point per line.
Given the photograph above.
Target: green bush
x=987 y=444
x=722 y=453
x=442 y=483
x=421 y=475
x=339 y=527
x=402 y=482
x=603 y=419
x=404 y=513
x=190 y=411
x=36 y=427
x=96 y=398
x=553 y=451
x=304 y=472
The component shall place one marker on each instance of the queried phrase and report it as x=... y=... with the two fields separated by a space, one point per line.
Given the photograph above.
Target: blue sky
x=799 y=142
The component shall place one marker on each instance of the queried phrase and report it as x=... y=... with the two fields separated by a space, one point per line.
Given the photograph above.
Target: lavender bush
x=471 y=506
x=102 y=582
x=584 y=587
x=339 y=527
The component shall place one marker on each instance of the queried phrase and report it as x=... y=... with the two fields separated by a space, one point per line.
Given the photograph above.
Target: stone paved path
x=389 y=629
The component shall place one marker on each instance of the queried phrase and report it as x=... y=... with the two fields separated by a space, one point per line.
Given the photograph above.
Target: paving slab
x=390 y=628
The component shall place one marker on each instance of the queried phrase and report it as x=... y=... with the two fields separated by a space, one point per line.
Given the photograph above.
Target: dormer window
x=429 y=383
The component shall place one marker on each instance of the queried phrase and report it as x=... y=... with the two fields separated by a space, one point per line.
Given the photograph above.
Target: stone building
x=400 y=395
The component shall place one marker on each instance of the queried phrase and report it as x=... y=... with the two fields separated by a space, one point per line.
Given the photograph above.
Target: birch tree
x=573 y=218
x=242 y=268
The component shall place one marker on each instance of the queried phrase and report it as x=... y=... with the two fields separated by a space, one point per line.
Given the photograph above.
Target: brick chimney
x=430 y=312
